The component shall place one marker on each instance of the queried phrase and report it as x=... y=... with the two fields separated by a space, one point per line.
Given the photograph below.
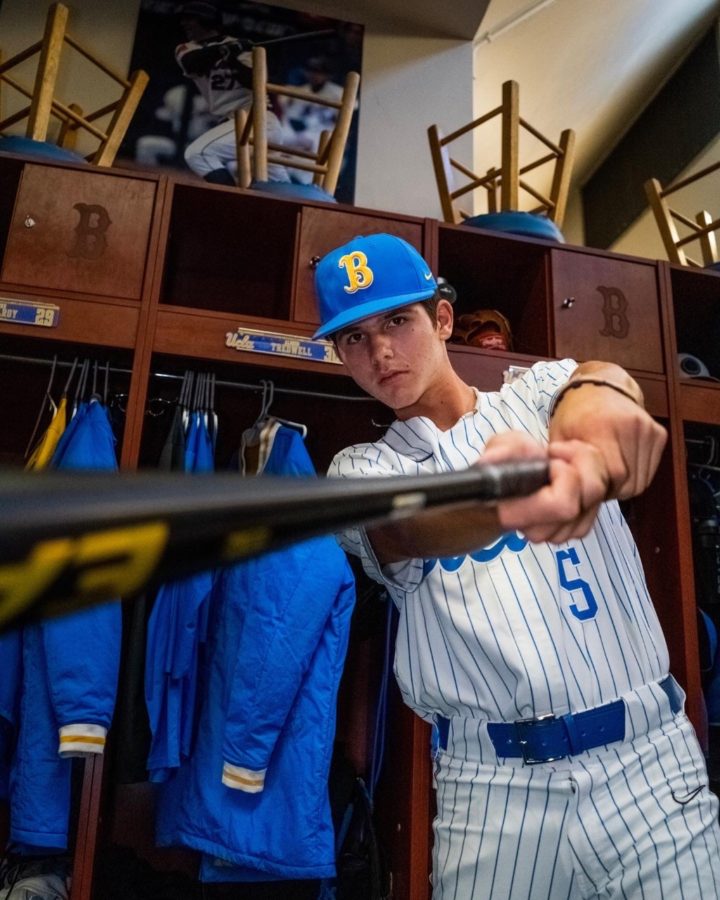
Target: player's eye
x=352 y=338
x=397 y=320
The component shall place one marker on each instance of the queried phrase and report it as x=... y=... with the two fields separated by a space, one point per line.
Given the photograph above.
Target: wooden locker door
x=79 y=231
x=321 y=230
x=606 y=308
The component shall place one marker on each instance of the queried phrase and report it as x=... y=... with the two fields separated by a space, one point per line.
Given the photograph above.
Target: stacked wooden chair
x=506 y=187
x=44 y=104
x=255 y=152
x=678 y=230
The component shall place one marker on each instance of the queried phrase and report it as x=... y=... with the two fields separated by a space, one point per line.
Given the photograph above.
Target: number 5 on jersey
x=588 y=608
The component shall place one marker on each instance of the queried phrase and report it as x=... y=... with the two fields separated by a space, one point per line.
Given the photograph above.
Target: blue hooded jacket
x=64 y=672
x=253 y=797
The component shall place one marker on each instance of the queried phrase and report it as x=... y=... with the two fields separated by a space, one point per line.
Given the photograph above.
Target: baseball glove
x=485 y=328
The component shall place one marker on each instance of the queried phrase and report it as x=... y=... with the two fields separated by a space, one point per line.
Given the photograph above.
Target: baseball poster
x=197 y=56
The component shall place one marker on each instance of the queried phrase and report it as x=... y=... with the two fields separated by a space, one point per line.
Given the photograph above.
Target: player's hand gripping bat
x=71 y=539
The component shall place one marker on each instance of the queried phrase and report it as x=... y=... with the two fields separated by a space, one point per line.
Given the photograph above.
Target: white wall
x=407 y=85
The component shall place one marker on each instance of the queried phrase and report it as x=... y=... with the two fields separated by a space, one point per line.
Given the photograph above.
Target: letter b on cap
x=359 y=274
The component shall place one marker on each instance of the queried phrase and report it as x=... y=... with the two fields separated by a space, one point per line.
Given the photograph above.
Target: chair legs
x=47 y=70
x=509 y=187
x=121 y=119
x=340 y=134
x=561 y=178
x=504 y=185
x=259 y=114
x=242 y=143
x=44 y=103
x=665 y=223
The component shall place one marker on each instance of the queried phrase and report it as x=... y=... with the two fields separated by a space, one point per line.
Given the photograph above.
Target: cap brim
x=372 y=308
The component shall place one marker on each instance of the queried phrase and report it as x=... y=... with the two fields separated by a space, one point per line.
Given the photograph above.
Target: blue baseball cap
x=367 y=276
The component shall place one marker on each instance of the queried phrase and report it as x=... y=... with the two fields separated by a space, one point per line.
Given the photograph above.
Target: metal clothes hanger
x=712 y=445
x=80 y=387
x=47 y=399
x=268 y=396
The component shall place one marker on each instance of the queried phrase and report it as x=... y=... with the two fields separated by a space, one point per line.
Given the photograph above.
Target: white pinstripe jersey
x=515 y=629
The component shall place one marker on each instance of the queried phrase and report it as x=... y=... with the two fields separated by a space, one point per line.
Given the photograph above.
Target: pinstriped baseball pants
x=217 y=149
x=634 y=819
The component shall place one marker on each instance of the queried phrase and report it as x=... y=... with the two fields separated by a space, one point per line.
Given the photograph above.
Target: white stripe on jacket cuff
x=81 y=739
x=240 y=779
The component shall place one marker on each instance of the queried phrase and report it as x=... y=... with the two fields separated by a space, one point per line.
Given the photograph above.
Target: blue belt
x=549 y=738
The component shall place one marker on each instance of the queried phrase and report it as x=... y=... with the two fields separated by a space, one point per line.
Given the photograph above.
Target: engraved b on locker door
x=79 y=230
x=606 y=309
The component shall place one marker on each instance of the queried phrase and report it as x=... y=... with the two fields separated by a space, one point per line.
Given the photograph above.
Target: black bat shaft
x=71 y=539
x=305 y=35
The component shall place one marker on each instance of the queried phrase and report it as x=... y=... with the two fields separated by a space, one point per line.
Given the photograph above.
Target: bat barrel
x=70 y=539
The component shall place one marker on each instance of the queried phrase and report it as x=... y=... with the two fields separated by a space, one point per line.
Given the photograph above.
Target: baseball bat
x=69 y=539
x=302 y=36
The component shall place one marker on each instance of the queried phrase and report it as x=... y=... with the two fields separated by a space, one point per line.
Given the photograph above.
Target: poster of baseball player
x=198 y=56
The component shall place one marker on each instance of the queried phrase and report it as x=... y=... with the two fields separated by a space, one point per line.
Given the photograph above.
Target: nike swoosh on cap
x=428 y=276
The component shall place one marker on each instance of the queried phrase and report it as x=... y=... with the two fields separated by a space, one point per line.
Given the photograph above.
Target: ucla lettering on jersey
x=512 y=541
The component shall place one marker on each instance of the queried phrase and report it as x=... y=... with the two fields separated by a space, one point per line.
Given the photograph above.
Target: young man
x=566 y=765
x=221 y=67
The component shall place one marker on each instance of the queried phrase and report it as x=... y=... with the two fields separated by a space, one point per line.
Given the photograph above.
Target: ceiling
x=589 y=65
x=457 y=19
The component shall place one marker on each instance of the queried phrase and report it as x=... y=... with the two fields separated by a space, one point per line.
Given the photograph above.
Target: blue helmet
x=367 y=276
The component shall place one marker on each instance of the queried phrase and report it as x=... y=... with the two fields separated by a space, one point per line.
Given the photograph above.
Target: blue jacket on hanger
x=176 y=632
x=10 y=669
x=67 y=685
x=253 y=796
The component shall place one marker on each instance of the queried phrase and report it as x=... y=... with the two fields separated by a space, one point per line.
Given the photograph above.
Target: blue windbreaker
x=66 y=682
x=176 y=632
x=253 y=797
x=10 y=654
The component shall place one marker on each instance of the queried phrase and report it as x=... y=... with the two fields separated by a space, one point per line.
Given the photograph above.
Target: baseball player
x=221 y=67
x=565 y=765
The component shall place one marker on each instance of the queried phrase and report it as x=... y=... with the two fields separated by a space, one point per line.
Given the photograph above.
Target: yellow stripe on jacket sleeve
x=80 y=739
x=240 y=779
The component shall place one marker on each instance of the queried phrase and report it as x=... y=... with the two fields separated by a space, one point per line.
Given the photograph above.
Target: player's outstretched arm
x=603 y=445
x=444 y=531
x=603 y=406
x=565 y=508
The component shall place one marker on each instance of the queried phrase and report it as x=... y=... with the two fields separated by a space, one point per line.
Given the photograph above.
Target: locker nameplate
x=28 y=312
x=277 y=344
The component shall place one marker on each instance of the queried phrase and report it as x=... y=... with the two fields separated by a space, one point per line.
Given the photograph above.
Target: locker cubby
x=229 y=251
x=26 y=363
x=502 y=272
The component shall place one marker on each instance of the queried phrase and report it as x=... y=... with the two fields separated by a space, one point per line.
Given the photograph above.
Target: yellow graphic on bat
x=109 y=563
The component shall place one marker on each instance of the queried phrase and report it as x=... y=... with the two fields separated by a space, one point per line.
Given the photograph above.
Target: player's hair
x=431 y=306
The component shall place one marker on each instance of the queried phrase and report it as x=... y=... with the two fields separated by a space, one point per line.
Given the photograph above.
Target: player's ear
x=445 y=318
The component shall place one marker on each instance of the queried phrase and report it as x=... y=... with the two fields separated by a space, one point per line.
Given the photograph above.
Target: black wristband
x=578 y=383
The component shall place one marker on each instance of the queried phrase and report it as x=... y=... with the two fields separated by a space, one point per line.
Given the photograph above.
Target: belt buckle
x=531 y=760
